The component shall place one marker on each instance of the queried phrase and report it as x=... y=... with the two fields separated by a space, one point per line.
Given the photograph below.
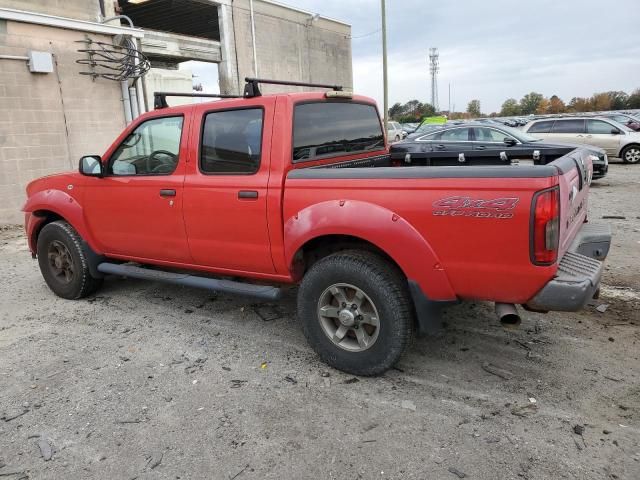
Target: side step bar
x=264 y=292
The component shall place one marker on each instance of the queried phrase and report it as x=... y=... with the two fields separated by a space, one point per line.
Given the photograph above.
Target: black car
x=485 y=144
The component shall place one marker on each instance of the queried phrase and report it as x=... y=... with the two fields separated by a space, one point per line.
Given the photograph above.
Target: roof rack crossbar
x=252 y=88
x=160 y=98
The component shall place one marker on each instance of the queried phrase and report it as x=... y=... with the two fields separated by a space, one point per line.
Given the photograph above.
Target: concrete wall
x=47 y=121
x=79 y=9
x=289 y=46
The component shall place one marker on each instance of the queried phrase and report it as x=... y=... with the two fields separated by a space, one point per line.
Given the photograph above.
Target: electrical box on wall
x=40 y=62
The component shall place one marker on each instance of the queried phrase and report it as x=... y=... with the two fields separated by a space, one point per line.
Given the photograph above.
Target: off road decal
x=470 y=207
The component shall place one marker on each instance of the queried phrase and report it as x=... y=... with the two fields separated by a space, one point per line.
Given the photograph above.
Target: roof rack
x=252 y=88
x=160 y=98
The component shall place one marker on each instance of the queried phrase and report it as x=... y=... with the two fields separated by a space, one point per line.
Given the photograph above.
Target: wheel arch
x=334 y=225
x=47 y=206
x=629 y=145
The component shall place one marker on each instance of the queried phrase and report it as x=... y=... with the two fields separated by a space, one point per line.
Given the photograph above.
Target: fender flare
x=63 y=205
x=379 y=226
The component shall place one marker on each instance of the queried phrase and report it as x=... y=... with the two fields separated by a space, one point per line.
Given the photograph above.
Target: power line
x=366 y=34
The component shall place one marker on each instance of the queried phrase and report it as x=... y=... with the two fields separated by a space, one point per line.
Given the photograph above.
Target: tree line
x=531 y=103
x=536 y=103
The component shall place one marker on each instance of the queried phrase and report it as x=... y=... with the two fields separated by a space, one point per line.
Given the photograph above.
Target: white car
x=616 y=139
x=395 y=132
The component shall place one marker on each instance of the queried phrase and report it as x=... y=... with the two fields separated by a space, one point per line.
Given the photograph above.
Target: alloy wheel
x=348 y=317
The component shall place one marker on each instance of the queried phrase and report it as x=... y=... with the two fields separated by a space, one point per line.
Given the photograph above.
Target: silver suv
x=617 y=139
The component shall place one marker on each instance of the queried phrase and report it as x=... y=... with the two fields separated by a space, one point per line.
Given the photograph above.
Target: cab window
x=331 y=129
x=232 y=142
x=151 y=149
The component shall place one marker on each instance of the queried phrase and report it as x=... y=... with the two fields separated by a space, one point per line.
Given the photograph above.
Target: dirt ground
x=147 y=380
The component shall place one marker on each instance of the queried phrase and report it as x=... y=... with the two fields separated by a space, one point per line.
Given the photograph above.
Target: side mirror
x=509 y=141
x=615 y=131
x=91 y=166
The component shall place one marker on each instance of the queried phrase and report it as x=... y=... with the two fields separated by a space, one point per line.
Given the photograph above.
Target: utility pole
x=384 y=65
x=449 y=98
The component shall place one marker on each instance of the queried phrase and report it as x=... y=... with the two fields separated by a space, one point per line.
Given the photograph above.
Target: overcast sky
x=489 y=49
x=492 y=49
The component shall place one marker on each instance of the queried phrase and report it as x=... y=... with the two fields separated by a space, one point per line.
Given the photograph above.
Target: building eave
x=67 y=23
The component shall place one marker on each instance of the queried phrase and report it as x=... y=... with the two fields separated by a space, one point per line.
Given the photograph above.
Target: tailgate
x=575 y=174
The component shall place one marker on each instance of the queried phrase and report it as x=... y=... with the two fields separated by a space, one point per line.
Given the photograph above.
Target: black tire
x=397 y=138
x=72 y=280
x=633 y=151
x=387 y=289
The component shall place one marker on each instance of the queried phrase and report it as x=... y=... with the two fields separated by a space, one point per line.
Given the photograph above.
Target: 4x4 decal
x=470 y=207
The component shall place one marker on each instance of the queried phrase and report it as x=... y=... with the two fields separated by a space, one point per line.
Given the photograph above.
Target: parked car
x=394 y=132
x=409 y=127
x=616 y=139
x=249 y=194
x=629 y=120
x=486 y=144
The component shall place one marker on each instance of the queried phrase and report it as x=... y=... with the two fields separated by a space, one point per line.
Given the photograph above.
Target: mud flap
x=428 y=312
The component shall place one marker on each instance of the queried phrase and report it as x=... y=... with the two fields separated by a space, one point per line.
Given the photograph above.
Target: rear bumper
x=579 y=272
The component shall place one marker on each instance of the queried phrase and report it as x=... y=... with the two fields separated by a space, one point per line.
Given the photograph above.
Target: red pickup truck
x=248 y=194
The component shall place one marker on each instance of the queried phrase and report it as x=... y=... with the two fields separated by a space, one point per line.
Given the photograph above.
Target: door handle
x=481 y=147
x=167 y=192
x=440 y=147
x=247 y=194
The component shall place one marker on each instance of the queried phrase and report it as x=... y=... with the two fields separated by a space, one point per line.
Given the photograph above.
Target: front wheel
x=356 y=312
x=631 y=154
x=63 y=262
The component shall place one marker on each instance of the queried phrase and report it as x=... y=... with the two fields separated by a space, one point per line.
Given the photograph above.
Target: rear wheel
x=631 y=154
x=63 y=262
x=356 y=312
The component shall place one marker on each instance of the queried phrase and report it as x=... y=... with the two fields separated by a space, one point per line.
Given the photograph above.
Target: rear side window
x=568 y=126
x=541 y=127
x=453 y=135
x=331 y=129
x=231 y=141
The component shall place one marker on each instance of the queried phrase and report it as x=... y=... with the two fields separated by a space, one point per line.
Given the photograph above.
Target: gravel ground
x=147 y=380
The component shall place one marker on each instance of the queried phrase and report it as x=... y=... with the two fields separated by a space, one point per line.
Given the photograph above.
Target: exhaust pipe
x=508 y=315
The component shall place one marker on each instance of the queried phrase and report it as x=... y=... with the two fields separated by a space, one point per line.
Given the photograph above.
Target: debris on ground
x=155 y=460
x=457 y=472
x=290 y=379
x=268 y=312
x=350 y=380
x=497 y=371
x=408 y=405
x=602 y=308
x=525 y=410
x=46 y=449
x=7 y=417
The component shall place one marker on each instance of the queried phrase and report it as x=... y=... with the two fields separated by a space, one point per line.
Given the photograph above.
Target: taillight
x=545 y=226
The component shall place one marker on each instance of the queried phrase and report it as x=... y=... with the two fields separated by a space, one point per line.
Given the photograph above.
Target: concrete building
x=50 y=114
